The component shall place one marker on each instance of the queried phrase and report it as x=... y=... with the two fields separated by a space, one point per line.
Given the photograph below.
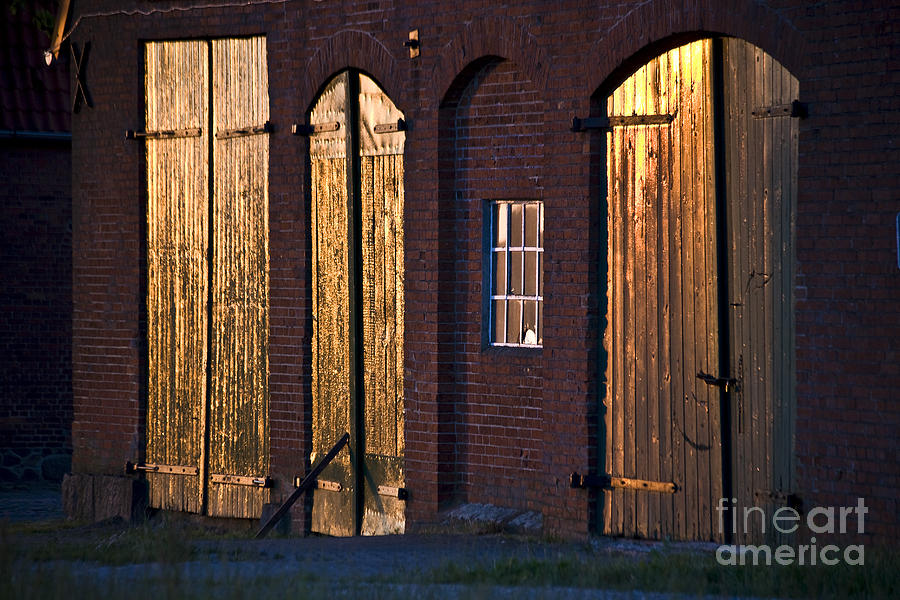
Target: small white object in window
x=530 y=337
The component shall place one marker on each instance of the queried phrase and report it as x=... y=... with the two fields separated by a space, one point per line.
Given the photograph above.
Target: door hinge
x=314 y=129
x=393 y=492
x=133 y=468
x=789 y=499
x=266 y=127
x=605 y=481
x=796 y=109
x=163 y=134
x=608 y=123
x=262 y=482
x=400 y=125
x=322 y=484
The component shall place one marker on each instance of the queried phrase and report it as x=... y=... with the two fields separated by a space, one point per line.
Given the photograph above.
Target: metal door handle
x=728 y=383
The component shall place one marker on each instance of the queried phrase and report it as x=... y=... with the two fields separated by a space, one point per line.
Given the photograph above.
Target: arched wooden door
x=356 y=162
x=701 y=185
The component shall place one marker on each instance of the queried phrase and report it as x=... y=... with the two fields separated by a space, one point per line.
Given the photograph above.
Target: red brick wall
x=559 y=54
x=490 y=138
x=35 y=310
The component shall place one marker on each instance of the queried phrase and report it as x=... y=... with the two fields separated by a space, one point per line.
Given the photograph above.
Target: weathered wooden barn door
x=761 y=135
x=177 y=80
x=698 y=338
x=662 y=422
x=356 y=161
x=207 y=260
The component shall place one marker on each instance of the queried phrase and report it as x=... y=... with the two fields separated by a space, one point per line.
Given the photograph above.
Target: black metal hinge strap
x=608 y=123
x=796 y=109
x=262 y=482
x=728 y=383
x=608 y=482
x=316 y=128
x=393 y=492
x=132 y=468
x=307 y=483
x=164 y=134
x=266 y=127
x=400 y=125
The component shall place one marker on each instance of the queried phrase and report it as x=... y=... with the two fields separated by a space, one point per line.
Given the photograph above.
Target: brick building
x=36 y=256
x=607 y=262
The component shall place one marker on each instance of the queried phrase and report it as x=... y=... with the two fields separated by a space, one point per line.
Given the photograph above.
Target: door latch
x=729 y=383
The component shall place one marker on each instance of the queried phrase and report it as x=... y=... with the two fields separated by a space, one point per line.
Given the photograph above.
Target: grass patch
x=688 y=573
x=107 y=543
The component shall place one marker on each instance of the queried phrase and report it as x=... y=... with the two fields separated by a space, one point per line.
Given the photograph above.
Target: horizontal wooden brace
x=795 y=109
x=400 y=125
x=164 y=134
x=132 y=468
x=605 y=481
x=608 y=123
x=316 y=128
x=262 y=482
x=394 y=492
x=266 y=127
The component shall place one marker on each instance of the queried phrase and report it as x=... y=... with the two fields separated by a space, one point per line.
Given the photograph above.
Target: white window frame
x=502 y=247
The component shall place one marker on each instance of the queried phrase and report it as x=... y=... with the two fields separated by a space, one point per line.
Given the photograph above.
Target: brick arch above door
x=358 y=50
x=665 y=24
x=490 y=36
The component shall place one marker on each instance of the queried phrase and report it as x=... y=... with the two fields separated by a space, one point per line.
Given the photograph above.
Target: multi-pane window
x=516 y=273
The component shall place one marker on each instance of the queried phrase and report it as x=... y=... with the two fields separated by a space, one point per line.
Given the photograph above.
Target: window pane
x=531 y=275
x=499 y=222
x=540 y=322
x=498 y=285
x=498 y=327
x=513 y=321
x=541 y=274
x=529 y=323
x=541 y=226
x=515 y=225
x=531 y=224
x=515 y=272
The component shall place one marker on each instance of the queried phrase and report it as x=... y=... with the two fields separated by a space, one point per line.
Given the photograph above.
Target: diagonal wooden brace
x=308 y=482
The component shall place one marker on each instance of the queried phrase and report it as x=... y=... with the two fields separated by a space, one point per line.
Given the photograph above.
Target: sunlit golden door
x=207 y=264
x=356 y=162
x=700 y=203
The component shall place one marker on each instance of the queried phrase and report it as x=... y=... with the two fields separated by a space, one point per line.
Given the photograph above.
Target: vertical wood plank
x=654 y=392
x=676 y=290
x=666 y=87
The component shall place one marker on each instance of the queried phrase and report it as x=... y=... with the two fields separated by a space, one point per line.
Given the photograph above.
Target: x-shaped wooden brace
x=80 y=60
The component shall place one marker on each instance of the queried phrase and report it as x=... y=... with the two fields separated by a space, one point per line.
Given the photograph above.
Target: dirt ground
x=235 y=566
